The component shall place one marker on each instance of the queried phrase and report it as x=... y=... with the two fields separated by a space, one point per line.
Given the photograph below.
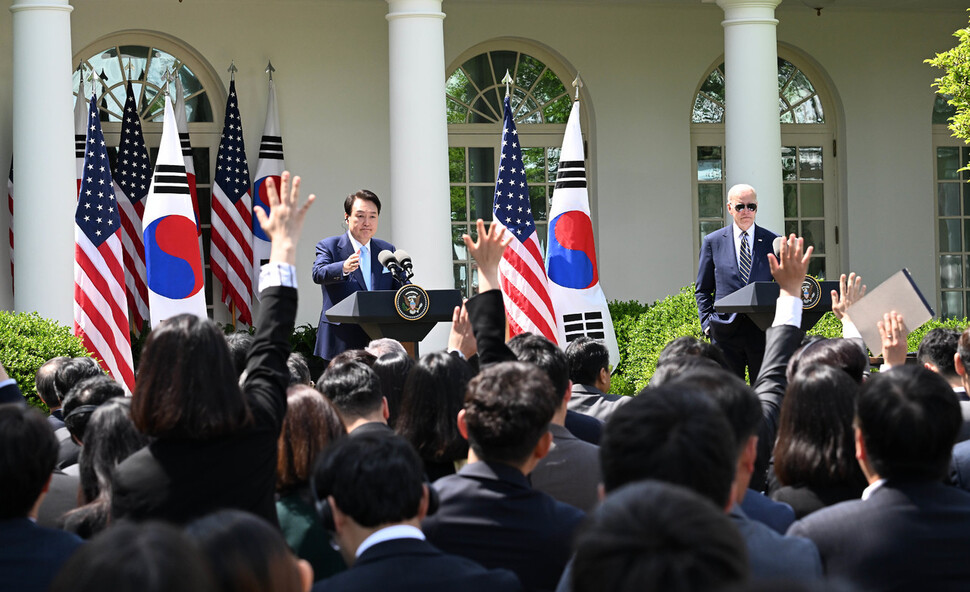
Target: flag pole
x=232 y=70
x=577 y=84
x=270 y=69
x=507 y=80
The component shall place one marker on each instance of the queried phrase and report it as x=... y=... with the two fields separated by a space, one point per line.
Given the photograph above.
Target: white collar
x=357 y=244
x=738 y=231
x=868 y=491
x=398 y=531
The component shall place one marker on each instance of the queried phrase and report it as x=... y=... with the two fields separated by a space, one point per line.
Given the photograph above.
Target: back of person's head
x=28 y=453
x=816 y=440
x=938 y=348
x=508 y=408
x=299 y=370
x=146 y=557
x=384 y=346
x=353 y=355
x=239 y=344
x=433 y=395
x=392 y=369
x=676 y=435
x=187 y=386
x=72 y=371
x=246 y=554
x=691 y=346
x=44 y=382
x=376 y=479
x=353 y=388
x=735 y=398
x=84 y=398
x=838 y=353
x=544 y=354
x=909 y=418
x=310 y=425
x=586 y=357
x=963 y=347
x=651 y=535
x=674 y=368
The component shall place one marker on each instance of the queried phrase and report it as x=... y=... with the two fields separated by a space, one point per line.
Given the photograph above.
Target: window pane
x=798 y=89
x=709 y=226
x=532 y=159
x=789 y=162
x=713 y=87
x=459 y=210
x=198 y=109
x=942 y=110
x=812 y=200
x=951 y=271
x=791 y=227
x=502 y=61
x=480 y=205
x=549 y=87
x=948 y=196
x=200 y=158
x=952 y=304
x=813 y=232
x=478 y=71
x=552 y=164
x=557 y=111
x=481 y=165
x=810 y=162
x=706 y=111
x=710 y=200
x=529 y=71
x=456 y=112
x=537 y=201
x=950 y=236
x=459 y=87
x=205 y=206
x=456 y=165
x=709 y=163
x=461 y=278
x=785 y=70
x=458 y=250
x=808 y=112
x=816 y=267
x=947 y=163
x=790 y=191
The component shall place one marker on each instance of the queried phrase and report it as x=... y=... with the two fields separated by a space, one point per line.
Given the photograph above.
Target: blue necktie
x=365 y=265
x=745 y=258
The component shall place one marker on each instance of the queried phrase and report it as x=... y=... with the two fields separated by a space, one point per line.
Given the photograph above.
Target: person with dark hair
x=67 y=374
x=383 y=346
x=433 y=396
x=589 y=370
x=246 y=553
x=489 y=512
x=843 y=354
x=651 y=535
x=677 y=349
x=771 y=555
x=815 y=460
x=960 y=464
x=84 y=398
x=932 y=353
x=239 y=344
x=909 y=530
x=47 y=391
x=372 y=488
x=30 y=555
x=299 y=370
x=571 y=471
x=355 y=391
x=216 y=443
x=675 y=367
x=354 y=355
x=393 y=369
x=348 y=263
x=149 y=557
x=111 y=438
x=311 y=424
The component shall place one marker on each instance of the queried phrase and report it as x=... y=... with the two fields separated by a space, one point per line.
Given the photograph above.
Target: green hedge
x=27 y=341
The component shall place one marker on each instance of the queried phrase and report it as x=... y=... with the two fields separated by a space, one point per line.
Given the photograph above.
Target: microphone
x=405 y=260
x=389 y=261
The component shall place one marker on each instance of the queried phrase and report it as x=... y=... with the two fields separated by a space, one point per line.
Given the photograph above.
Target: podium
x=757 y=301
x=376 y=313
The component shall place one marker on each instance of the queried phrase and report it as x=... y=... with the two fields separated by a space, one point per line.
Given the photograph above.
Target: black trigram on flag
x=586 y=324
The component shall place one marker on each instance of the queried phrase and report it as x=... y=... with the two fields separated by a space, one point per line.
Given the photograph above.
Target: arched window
x=952 y=213
x=474 y=94
x=144 y=58
x=807 y=162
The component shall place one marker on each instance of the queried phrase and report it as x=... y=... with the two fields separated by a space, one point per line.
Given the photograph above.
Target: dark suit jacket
x=906 y=536
x=413 y=565
x=180 y=480
x=31 y=555
x=589 y=400
x=334 y=338
x=960 y=466
x=570 y=472
x=10 y=393
x=60 y=498
x=717 y=273
x=491 y=515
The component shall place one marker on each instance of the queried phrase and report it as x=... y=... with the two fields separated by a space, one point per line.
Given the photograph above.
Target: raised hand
x=487 y=252
x=284 y=222
x=791 y=265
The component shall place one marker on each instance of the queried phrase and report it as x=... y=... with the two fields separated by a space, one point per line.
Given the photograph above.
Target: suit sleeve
x=266 y=373
x=327 y=270
x=10 y=393
x=704 y=286
x=487 y=315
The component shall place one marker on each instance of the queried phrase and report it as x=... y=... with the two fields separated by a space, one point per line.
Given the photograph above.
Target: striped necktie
x=745 y=258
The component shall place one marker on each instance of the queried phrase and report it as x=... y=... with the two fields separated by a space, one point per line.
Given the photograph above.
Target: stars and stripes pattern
x=132 y=178
x=522 y=270
x=745 y=258
x=270 y=166
x=10 y=221
x=80 y=131
x=100 y=307
x=231 y=248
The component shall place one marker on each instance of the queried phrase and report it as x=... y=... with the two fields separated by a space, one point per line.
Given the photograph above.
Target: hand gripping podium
x=757 y=301
x=407 y=315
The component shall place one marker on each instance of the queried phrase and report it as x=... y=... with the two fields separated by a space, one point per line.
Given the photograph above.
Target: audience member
x=909 y=531
x=62 y=494
x=937 y=352
x=589 y=370
x=240 y=343
x=310 y=425
x=392 y=370
x=47 y=391
x=651 y=535
x=384 y=346
x=837 y=353
x=216 y=444
x=246 y=554
x=433 y=396
x=815 y=460
x=962 y=368
x=489 y=512
x=111 y=437
x=461 y=338
x=9 y=391
x=66 y=376
x=150 y=557
x=84 y=398
x=372 y=488
x=30 y=555
x=355 y=391
x=681 y=347
x=299 y=370
x=353 y=355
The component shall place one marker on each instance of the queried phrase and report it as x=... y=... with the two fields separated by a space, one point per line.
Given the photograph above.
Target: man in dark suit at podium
x=730 y=259
x=348 y=263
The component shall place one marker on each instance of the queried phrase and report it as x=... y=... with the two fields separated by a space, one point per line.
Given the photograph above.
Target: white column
x=43 y=148
x=419 y=144
x=752 y=128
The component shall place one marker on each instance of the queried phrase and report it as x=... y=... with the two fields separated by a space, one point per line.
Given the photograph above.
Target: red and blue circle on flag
x=172 y=257
x=572 y=252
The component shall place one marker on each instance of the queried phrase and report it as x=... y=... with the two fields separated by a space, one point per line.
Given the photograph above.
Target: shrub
x=27 y=341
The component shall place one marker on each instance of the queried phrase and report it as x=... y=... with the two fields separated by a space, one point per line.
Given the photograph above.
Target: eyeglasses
x=751 y=206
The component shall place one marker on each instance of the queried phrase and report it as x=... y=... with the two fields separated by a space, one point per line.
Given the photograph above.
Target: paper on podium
x=899 y=293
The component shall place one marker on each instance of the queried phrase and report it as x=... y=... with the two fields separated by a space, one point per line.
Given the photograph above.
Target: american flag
x=522 y=270
x=10 y=219
x=100 y=308
x=133 y=175
x=231 y=251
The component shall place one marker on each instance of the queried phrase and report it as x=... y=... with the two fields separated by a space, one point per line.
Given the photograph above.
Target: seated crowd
x=494 y=465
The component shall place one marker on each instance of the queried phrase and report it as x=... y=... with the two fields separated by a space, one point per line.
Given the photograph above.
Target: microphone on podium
x=405 y=260
x=391 y=262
